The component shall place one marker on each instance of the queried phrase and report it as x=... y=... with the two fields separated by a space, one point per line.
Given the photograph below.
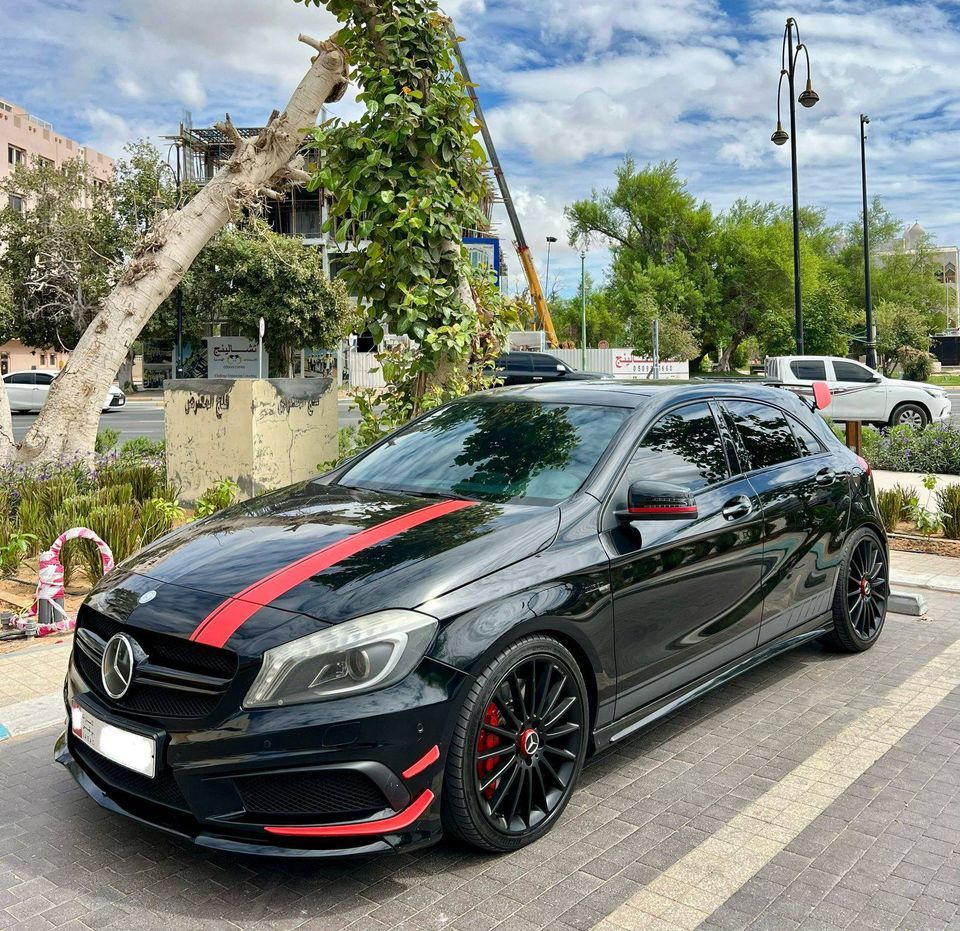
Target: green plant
x=106 y=440
x=118 y=527
x=917 y=365
x=891 y=503
x=927 y=520
x=217 y=497
x=119 y=493
x=157 y=517
x=903 y=449
x=145 y=476
x=948 y=498
x=141 y=446
x=17 y=546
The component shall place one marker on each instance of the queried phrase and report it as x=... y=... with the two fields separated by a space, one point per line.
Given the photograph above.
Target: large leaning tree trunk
x=67 y=425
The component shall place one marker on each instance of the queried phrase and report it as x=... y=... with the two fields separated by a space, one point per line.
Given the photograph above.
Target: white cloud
x=568 y=86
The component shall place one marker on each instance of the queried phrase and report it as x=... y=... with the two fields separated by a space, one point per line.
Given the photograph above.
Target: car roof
x=635 y=394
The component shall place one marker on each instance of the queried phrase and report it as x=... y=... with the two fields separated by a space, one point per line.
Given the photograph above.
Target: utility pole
x=583 y=309
x=867 y=291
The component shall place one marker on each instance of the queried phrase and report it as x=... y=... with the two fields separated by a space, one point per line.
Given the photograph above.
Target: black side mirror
x=658 y=501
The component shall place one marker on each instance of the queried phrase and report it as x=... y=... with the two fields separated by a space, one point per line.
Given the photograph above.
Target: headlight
x=369 y=653
x=935 y=392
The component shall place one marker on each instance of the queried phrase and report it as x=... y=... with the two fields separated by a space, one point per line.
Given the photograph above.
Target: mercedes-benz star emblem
x=529 y=742
x=118 y=665
x=147 y=597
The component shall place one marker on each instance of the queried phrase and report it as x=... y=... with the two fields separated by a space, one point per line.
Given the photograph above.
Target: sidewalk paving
x=31 y=680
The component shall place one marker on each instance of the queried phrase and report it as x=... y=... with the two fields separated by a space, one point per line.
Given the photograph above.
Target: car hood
x=279 y=566
x=916 y=385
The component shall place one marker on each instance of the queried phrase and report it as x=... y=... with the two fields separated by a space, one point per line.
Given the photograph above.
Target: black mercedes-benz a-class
x=432 y=637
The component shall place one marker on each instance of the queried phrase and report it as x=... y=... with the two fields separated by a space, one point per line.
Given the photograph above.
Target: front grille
x=162 y=648
x=162 y=790
x=346 y=793
x=181 y=679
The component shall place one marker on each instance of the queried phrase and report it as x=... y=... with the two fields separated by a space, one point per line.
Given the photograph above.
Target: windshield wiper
x=445 y=495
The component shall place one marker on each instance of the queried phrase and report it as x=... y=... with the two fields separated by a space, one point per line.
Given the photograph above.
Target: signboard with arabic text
x=233 y=357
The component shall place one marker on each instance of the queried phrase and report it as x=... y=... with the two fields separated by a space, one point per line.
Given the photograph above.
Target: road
x=145 y=418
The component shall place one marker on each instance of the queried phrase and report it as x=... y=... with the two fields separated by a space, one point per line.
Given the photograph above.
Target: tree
x=660 y=238
x=68 y=423
x=60 y=254
x=249 y=273
x=407 y=178
x=900 y=328
x=603 y=320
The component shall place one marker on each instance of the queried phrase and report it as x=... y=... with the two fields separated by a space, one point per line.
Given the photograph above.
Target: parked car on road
x=433 y=636
x=860 y=393
x=526 y=368
x=27 y=391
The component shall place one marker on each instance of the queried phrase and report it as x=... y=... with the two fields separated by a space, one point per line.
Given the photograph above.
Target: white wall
x=621 y=362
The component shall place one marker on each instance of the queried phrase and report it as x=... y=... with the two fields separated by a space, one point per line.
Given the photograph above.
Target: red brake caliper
x=485 y=742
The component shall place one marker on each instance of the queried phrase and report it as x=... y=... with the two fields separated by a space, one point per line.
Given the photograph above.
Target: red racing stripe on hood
x=218 y=626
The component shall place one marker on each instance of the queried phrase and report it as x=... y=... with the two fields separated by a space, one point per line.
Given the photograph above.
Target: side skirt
x=643 y=717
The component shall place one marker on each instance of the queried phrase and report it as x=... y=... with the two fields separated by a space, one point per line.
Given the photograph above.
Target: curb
x=34 y=714
x=938 y=583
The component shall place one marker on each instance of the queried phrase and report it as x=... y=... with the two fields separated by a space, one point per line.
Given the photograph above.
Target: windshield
x=493 y=449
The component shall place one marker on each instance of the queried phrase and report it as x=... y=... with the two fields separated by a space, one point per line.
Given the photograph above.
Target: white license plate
x=134 y=751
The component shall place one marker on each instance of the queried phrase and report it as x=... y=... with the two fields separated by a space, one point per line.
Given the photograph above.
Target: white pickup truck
x=860 y=393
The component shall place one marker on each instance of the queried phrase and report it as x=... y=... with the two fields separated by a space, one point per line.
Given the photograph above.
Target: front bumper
x=330 y=779
x=941 y=410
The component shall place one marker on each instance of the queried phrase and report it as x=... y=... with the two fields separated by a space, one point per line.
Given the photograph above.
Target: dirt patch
x=933 y=546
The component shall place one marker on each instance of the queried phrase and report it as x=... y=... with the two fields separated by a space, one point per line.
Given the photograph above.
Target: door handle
x=826 y=477
x=737 y=507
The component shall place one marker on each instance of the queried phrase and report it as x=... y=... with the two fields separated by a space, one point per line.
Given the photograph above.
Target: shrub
x=917 y=365
x=141 y=447
x=15 y=546
x=903 y=449
x=106 y=440
x=891 y=503
x=949 y=501
x=217 y=497
x=145 y=476
x=157 y=517
x=115 y=524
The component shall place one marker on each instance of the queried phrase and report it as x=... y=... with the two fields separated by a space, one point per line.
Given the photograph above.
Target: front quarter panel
x=563 y=591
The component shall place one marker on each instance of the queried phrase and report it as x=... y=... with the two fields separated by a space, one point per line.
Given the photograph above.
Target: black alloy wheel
x=860 y=604
x=514 y=762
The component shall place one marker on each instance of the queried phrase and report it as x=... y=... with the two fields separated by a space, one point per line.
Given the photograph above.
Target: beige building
x=24 y=138
x=15 y=357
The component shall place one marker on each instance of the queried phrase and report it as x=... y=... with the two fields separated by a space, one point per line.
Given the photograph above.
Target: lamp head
x=808 y=96
x=780 y=135
x=551 y=239
x=864 y=118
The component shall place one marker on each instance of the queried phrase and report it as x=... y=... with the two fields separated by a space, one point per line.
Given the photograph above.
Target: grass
x=945 y=381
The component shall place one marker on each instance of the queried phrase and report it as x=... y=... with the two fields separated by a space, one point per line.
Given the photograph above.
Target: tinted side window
x=683 y=447
x=545 y=365
x=809 y=444
x=850 y=371
x=43 y=378
x=22 y=378
x=522 y=363
x=810 y=370
x=765 y=432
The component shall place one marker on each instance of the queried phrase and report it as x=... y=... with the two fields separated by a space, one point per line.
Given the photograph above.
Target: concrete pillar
x=262 y=433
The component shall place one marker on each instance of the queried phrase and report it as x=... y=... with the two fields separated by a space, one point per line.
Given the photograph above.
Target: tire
x=862 y=594
x=537 y=775
x=911 y=415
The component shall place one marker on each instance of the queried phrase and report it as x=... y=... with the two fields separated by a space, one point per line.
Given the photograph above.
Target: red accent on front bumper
x=384 y=826
x=428 y=759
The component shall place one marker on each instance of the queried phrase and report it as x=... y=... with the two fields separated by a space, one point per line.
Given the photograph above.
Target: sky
x=568 y=86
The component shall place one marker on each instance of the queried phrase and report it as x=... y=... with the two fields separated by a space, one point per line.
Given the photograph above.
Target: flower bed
x=903 y=449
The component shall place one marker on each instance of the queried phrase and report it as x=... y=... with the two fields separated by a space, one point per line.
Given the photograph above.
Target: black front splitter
x=63 y=756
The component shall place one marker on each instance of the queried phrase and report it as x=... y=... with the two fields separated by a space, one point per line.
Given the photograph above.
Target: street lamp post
x=789 y=56
x=867 y=293
x=546 y=285
x=583 y=309
x=178 y=293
